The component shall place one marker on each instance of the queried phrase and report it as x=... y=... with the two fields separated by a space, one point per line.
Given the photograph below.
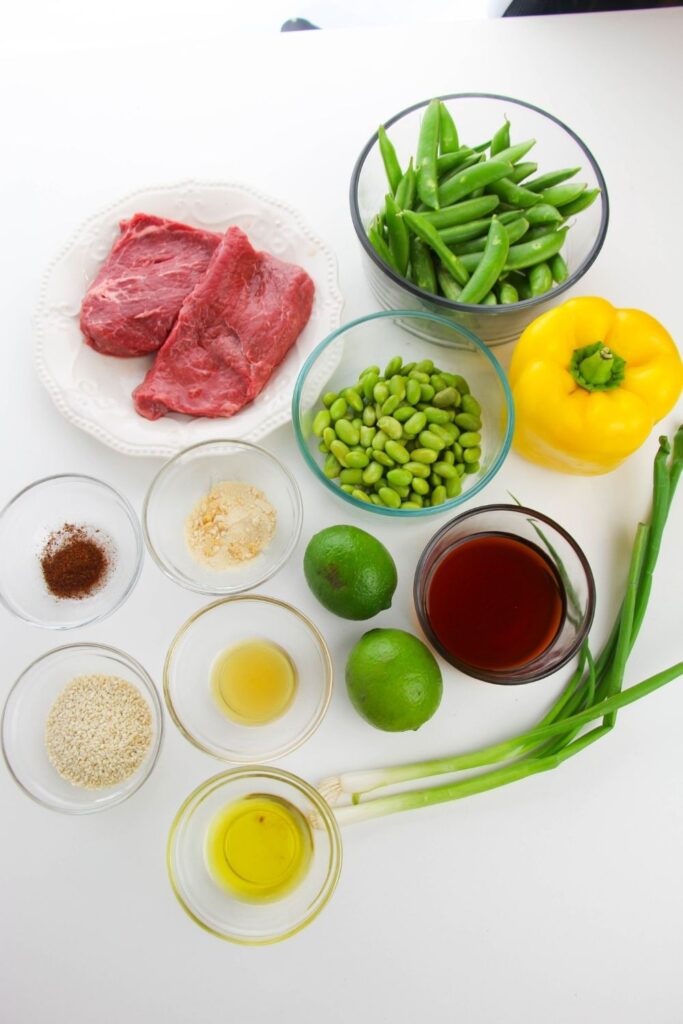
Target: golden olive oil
x=253 y=682
x=259 y=847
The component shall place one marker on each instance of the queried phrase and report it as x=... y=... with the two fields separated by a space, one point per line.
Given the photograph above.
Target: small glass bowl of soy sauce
x=504 y=594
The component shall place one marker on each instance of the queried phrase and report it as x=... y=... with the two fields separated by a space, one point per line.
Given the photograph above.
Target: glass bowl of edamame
x=397 y=425
x=481 y=208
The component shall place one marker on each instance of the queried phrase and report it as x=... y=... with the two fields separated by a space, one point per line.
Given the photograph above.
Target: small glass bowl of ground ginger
x=70 y=551
x=221 y=517
x=81 y=728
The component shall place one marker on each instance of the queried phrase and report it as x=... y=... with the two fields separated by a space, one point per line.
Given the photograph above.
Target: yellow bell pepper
x=589 y=382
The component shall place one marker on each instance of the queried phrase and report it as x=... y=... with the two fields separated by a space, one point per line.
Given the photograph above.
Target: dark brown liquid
x=495 y=602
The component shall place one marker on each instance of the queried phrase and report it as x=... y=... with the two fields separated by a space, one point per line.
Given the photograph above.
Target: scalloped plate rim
x=271 y=422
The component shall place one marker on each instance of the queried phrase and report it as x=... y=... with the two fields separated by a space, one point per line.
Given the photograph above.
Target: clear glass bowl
x=25 y=716
x=546 y=537
x=377 y=338
x=45 y=507
x=219 y=626
x=478 y=116
x=190 y=475
x=212 y=906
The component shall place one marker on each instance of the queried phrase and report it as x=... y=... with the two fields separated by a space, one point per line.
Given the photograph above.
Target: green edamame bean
x=379 y=440
x=412 y=391
x=420 y=486
x=437 y=382
x=403 y=413
x=338 y=409
x=347 y=488
x=433 y=415
x=328 y=398
x=340 y=451
x=471 y=405
x=558 y=268
x=410 y=505
x=467 y=421
x=415 y=424
x=329 y=435
x=357 y=460
x=353 y=398
x=369 y=369
x=460 y=467
x=380 y=392
x=389 y=497
x=372 y=473
x=418 y=469
x=438 y=495
x=471 y=468
x=383 y=459
x=447 y=397
x=321 y=420
x=368 y=382
x=426 y=455
x=360 y=495
x=397 y=386
x=453 y=486
x=366 y=436
x=470 y=439
x=540 y=279
x=445 y=470
x=369 y=416
x=347 y=433
x=428 y=439
x=419 y=375
x=351 y=476
x=471 y=455
x=457 y=450
x=391 y=427
x=390 y=405
x=331 y=467
x=399 y=478
x=322 y=447
x=441 y=431
x=426 y=392
x=393 y=366
x=375 y=499
x=397 y=452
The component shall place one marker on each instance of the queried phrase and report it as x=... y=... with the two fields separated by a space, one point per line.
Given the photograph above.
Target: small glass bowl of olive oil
x=254 y=854
x=248 y=679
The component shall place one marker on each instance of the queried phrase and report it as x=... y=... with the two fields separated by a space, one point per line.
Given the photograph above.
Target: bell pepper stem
x=597 y=367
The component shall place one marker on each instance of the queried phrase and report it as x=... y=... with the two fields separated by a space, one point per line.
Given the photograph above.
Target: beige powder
x=233 y=523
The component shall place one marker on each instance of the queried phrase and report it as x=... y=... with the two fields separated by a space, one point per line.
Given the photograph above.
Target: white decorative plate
x=94 y=391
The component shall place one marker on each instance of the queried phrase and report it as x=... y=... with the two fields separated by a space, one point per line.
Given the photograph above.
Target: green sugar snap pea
x=438 y=213
x=405 y=454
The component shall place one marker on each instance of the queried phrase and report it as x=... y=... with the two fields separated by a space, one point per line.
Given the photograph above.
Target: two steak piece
x=221 y=339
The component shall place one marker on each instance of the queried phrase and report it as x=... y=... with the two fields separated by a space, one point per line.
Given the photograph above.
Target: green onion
x=593 y=692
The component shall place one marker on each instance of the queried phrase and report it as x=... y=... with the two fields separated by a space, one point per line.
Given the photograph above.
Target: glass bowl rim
x=222 y=591
x=142 y=676
x=312 y=726
x=499 y=677
x=403 y=513
x=440 y=300
x=326 y=813
x=139 y=549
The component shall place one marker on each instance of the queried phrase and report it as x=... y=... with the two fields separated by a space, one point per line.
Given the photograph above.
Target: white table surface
x=558 y=899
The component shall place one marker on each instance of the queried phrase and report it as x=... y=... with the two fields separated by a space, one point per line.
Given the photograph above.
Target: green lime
x=350 y=572
x=393 y=680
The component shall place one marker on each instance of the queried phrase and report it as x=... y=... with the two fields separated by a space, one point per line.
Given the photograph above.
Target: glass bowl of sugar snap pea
x=397 y=425
x=482 y=208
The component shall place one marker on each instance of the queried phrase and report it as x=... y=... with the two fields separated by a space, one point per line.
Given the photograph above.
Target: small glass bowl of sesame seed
x=81 y=728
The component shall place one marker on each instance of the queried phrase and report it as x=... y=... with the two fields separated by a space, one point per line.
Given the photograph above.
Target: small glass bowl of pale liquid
x=248 y=679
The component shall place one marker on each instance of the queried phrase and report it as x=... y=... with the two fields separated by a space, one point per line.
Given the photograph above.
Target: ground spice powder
x=76 y=561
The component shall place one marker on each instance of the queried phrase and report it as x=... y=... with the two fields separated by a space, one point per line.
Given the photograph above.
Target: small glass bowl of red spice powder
x=70 y=551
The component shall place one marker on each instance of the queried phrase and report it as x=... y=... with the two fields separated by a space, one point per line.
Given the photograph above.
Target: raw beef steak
x=133 y=302
x=232 y=331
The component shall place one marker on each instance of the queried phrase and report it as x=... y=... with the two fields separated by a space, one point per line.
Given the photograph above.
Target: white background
x=557 y=899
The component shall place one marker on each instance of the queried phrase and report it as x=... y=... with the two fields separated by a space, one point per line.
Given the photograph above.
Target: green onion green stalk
x=593 y=694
